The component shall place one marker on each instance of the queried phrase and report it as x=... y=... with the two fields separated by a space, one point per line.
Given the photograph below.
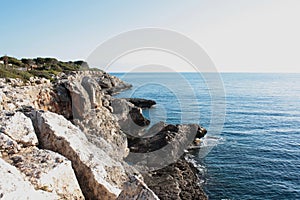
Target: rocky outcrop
x=66 y=96
x=142 y=103
x=111 y=84
x=99 y=175
x=102 y=130
x=47 y=171
x=92 y=114
x=43 y=96
x=135 y=188
x=94 y=91
x=80 y=98
x=130 y=117
x=177 y=136
x=78 y=136
x=13 y=185
x=176 y=181
x=18 y=127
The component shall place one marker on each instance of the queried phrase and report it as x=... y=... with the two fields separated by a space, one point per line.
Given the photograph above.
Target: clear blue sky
x=239 y=35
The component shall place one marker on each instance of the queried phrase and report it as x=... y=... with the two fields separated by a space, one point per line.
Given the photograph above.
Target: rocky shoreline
x=70 y=138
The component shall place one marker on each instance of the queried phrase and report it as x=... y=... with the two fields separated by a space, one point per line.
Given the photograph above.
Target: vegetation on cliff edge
x=25 y=68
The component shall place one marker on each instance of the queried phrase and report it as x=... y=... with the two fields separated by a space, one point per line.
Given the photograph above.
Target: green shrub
x=15 y=62
x=7 y=74
x=46 y=67
x=14 y=73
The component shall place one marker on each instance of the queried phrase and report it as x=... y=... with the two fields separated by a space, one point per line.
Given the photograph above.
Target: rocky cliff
x=70 y=139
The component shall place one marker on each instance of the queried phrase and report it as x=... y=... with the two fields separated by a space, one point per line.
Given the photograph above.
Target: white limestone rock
x=80 y=98
x=13 y=185
x=19 y=128
x=47 y=170
x=99 y=175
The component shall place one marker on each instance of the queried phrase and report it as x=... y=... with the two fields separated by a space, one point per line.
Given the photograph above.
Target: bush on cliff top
x=14 y=73
x=41 y=67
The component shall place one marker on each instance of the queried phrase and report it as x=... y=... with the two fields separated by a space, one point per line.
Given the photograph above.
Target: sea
x=255 y=153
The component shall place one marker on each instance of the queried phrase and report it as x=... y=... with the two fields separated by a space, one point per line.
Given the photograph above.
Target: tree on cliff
x=5 y=60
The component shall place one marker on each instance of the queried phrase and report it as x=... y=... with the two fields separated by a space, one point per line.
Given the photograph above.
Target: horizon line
x=246 y=72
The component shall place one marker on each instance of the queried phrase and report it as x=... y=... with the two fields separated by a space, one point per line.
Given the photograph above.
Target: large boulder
x=13 y=185
x=102 y=130
x=45 y=169
x=80 y=98
x=62 y=102
x=54 y=98
x=88 y=89
x=85 y=92
x=94 y=91
x=48 y=171
x=99 y=176
x=104 y=81
x=92 y=113
x=130 y=117
x=18 y=127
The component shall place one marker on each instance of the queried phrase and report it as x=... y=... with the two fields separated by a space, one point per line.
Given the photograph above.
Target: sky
x=238 y=35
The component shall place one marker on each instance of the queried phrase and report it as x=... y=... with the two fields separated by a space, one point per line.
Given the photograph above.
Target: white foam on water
x=207 y=144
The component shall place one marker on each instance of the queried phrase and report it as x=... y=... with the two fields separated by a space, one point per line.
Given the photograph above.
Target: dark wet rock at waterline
x=142 y=103
x=177 y=181
x=162 y=134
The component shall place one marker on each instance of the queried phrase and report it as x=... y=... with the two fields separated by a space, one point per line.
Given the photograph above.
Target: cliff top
x=25 y=68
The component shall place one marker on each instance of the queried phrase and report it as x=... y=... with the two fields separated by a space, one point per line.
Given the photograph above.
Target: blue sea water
x=258 y=150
